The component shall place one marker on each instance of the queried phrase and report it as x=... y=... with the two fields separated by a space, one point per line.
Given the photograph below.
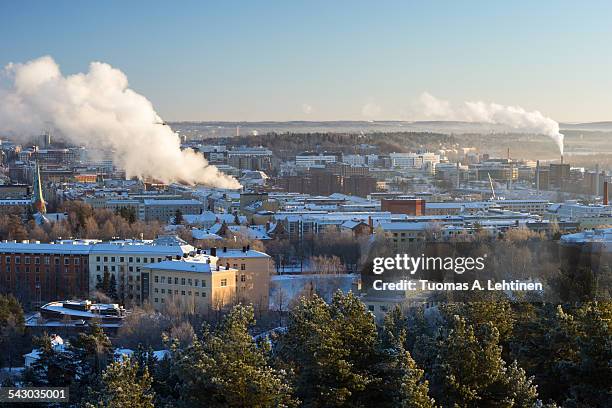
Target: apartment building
x=163 y=210
x=125 y=259
x=37 y=273
x=253 y=271
x=210 y=279
x=198 y=285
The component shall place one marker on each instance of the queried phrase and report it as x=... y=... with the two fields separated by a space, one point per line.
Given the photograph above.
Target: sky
x=329 y=60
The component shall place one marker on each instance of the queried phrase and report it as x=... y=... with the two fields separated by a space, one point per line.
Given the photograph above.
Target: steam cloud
x=514 y=117
x=97 y=110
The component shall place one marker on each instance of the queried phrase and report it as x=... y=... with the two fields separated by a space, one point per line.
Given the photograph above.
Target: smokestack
x=458 y=176
x=597 y=179
x=605 y=193
x=508 y=154
x=538 y=176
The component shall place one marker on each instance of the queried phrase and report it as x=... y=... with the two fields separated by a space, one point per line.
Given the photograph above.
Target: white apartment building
x=312 y=160
x=414 y=160
x=125 y=259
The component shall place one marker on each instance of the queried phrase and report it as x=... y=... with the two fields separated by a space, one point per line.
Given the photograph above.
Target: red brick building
x=409 y=206
x=37 y=273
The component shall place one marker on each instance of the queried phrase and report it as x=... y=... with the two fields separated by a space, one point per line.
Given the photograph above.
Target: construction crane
x=492 y=189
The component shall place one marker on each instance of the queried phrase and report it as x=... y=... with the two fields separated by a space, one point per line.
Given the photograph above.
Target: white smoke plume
x=514 y=117
x=98 y=110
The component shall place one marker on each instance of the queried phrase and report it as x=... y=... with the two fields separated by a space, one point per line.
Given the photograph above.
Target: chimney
x=605 y=193
x=538 y=176
x=458 y=176
x=213 y=251
x=597 y=179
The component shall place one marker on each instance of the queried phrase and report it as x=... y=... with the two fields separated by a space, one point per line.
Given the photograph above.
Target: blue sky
x=326 y=60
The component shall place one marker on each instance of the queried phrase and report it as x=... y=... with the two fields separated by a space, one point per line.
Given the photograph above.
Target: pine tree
x=330 y=348
x=123 y=385
x=112 y=288
x=400 y=382
x=470 y=372
x=226 y=368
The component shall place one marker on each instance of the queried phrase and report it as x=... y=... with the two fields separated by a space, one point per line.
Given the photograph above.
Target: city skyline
x=280 y=62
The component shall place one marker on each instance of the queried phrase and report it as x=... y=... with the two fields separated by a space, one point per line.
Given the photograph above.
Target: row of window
x=184 y=281
x=163 y=291
x=183 y=293
x=46 y=260
x=27 y=269
x=130 y=259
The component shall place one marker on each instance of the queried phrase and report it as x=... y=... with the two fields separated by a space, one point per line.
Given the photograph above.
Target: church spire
x=38 y=202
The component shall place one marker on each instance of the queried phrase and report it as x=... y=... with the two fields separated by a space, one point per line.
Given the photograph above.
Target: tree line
x=492 y=353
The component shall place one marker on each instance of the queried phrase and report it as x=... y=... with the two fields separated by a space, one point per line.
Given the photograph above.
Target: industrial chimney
x=538 y=176
x=605 y=193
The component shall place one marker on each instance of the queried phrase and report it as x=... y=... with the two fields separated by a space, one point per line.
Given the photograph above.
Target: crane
x=492 y=189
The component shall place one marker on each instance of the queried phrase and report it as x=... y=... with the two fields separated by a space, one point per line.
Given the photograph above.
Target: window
x=371 y=308
x=131 y=268
x=131 y=259
x=8 y=260
x=121 y=259
x=97 y=267
x=196 y=282
x=156 y=290
x=163 y=290
x=242 y=267
x=183 y=292
x=203 y=294
x=137 y=259
x=189 y=293
x=203 y=283
x=37 y=261
x=162 y=300
x=176 y=281
x=223 y=282
x=183 y=281
x=242 y=278
x=112 y=259
x=47 y=260
x=77 y=261
x=106 y=259
x=156 y=279
x=156 y=300
x=17 y=260
x=97 y=259
x=189 y=282
x=113 y=268
x=196 y=293
x=66 y=261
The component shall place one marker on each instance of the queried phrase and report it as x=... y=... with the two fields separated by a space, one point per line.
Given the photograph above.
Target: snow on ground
x=286 y=289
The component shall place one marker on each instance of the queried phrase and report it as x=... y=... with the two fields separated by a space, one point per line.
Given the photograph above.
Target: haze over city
x=248 y=61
